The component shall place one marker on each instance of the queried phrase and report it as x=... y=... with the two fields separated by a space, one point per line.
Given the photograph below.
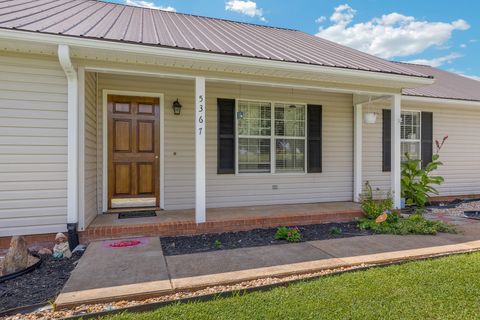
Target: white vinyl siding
x=460 y=154
x=90 y=175
x=33 y=145
x=333 y=184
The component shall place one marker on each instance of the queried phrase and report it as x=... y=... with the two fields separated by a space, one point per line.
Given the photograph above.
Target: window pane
x=410 y=128
x=253 y=155
x=254 y=119
x=289 y=120
x=290 y=155
x=412 y=148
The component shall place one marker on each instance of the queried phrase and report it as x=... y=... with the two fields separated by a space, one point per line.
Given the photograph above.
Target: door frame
x=105 y=94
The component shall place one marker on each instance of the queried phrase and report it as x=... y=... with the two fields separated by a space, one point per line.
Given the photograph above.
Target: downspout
x=72 y=171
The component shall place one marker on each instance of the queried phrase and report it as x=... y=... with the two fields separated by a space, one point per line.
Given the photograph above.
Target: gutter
x=442 y=101
x=209 y=57
x=72 y=170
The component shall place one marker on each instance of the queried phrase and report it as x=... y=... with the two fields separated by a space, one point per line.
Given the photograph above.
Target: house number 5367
x=200 y=111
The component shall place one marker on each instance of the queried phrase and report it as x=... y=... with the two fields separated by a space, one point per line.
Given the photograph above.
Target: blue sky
x=445 y=34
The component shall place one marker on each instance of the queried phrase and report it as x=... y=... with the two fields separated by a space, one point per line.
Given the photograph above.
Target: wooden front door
x=133 y=150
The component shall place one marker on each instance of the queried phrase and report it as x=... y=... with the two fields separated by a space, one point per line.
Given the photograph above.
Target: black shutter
x=386 y=140
x=314 y=138
x=226 y=136
x=427 y=138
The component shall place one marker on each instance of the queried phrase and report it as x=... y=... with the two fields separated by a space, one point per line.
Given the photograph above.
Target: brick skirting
x=46 y=238
x=190 y=227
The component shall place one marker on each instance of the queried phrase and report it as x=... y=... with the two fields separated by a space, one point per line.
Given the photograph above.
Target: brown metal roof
x=448 y=85
x=115 y=22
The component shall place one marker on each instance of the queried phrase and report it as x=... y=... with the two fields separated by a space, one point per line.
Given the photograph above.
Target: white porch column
x=72 y=123
x=357 y=152
x=200 y=184
x=395 y=152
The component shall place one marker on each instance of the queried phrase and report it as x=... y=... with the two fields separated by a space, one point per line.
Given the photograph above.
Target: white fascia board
x=441 y=101
x=189 y=55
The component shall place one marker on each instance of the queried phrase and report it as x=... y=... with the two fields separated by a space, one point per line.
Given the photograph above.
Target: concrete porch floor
x=109 y=274
x=182 y=222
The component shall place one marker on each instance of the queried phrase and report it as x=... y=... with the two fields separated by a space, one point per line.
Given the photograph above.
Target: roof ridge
x=199 y=16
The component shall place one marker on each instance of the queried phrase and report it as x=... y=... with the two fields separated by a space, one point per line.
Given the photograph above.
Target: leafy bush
x=217 y=244
x=371 y=207
x=290 y=234
x=335 y=231
x=417 y=183
x=414 y=224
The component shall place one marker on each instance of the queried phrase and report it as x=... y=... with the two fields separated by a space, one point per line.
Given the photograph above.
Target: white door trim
x=160 y=96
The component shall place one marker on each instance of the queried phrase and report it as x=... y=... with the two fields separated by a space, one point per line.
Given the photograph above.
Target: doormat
x=137 y=214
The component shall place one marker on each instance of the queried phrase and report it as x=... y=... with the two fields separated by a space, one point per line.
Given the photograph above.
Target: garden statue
x=17 y=255
x=61 y=248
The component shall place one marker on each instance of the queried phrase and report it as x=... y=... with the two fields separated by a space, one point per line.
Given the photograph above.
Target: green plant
x=417 y=182
x=371 y=207
x=217 y=244
x=53 y=305
x=335 y=231
x=413 y=224
x=290 y=234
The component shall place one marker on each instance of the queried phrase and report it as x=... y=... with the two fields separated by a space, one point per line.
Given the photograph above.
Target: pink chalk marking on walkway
x=125 y=243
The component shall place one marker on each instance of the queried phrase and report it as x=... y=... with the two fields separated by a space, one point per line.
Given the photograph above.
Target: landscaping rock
x=39 y=286
x=17 y=256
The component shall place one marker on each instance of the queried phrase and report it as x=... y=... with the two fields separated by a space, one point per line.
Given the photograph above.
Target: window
x=271 y=137
x=410 y=134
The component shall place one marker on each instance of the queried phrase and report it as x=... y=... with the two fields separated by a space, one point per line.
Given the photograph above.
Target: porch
x=199 y=170
x=182 y=222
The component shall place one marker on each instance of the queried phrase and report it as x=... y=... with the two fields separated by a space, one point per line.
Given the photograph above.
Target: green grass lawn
x=444 y=288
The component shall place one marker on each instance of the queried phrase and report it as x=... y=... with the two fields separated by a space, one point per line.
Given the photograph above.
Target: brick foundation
x=47 y=239
x=191 y=228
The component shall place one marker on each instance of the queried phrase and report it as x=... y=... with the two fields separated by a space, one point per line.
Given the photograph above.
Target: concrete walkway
x=107 y=273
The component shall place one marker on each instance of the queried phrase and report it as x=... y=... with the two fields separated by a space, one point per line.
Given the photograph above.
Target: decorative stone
x=17 y=256
x=381 y=218
x=61 y=249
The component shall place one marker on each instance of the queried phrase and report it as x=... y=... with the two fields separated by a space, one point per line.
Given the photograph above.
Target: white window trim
x=272 y=138
x=419 y=140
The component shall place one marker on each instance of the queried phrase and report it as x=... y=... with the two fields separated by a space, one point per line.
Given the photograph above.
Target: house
x=106 y=106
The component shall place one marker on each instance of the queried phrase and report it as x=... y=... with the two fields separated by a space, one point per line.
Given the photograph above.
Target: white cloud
x=437 y=62
x=473 y=40
x=248 y=8
x=463 y=46
x=320 y=19
x=149 y=5
x=391 y=35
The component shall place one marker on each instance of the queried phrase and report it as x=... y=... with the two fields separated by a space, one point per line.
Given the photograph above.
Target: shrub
x=289 y=234
x=371 y=207
x=217 y=244
x=417 y=183
x=414 y=224
x=335 y=231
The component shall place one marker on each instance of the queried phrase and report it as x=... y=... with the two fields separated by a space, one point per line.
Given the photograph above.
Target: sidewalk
x=107 y=274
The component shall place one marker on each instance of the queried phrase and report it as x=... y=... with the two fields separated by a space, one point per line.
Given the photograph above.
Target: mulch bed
x=39 y=286
x=253 y=238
